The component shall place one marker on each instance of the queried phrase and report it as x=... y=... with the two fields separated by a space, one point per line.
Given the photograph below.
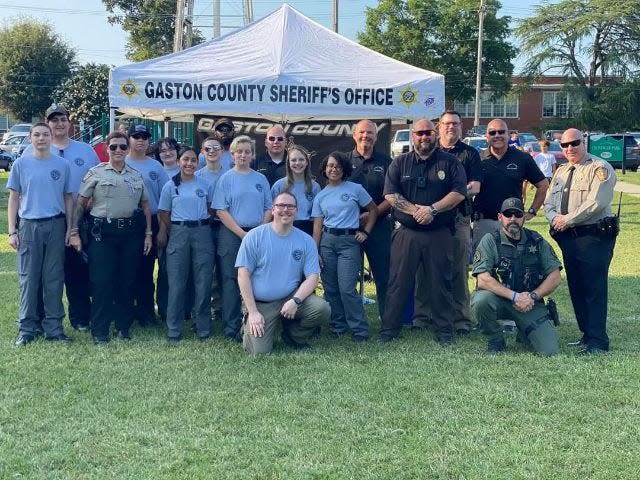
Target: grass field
x=628 y=177
x=406 y=410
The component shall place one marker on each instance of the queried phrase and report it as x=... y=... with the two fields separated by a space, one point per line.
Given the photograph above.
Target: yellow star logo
x=408 y=96
x=129 y=88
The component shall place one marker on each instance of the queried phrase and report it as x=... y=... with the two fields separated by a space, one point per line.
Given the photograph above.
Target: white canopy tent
x=284 y=67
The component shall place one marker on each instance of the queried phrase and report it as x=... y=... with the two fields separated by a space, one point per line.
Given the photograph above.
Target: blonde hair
x=243 y=139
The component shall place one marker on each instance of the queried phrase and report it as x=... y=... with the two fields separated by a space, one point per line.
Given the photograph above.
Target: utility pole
x=179 y=26
x=335 y=16
x=216 y=18
x=476 y=115
x=183 y=36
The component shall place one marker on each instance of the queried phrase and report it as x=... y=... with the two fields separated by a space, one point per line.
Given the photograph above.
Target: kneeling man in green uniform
x=515 y=269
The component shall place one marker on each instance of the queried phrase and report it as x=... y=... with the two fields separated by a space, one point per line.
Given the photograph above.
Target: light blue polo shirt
x=187 y=201
x=80 y=157
x=154 y=178
x=209 y=176
x=299 y=190
x=340 y=206
x=41 y=185
x=171 y=172
x=226 y=161
x=246 y=196
x=277 y=264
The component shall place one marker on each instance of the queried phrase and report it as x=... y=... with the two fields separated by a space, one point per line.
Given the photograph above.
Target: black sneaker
x=496 y=346
x=23 y=340
x=58 y=338
x=445 y=340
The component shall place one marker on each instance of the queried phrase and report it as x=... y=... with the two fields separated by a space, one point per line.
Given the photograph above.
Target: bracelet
x=148 y=232
x=513 y=297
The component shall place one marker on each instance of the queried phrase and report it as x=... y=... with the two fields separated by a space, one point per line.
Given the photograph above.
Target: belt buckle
x=120 y=223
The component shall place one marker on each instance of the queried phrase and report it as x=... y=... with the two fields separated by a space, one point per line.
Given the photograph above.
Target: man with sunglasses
x=224 y=132
x=515 y=269
x=423 y=187
x=273 y=163
x=504 y=170
x=578 y=207
x=80 y=157
x=272 y=261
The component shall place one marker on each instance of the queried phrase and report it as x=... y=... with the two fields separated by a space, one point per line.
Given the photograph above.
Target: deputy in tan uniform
x=578 y=207
x=119 y=231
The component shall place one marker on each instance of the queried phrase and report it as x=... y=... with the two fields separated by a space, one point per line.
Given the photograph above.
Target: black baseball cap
x=139 y=130
x=223 y=121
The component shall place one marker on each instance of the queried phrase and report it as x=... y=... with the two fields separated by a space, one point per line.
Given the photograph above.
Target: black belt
x=340 y=231
x=191 y=223
x=581 y=230
x=45 y=219
x=247 y=229
x=118 y=223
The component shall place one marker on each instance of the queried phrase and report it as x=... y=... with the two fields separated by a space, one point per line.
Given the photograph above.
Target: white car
x=19 y=130
x=401 y=143
x=479 y=143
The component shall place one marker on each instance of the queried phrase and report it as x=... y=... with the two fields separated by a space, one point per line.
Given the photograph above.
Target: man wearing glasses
x=578 y=207
x=504 y=170
x=515 y=269
x=80 y=157
x=273 y=163
x=272 y=260
x=423 y=187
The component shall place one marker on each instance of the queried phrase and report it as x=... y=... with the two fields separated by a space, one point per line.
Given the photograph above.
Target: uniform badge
x=153 y=176
x=259 y=187
x=602 y=173
x=441 y=174
x=200 y=193
x=533 y=249
x=55 y=174
x=477 y=256
x=378 y=170
x=309 y=196
x=79 y=161
x=297 y=255
x=344 y=197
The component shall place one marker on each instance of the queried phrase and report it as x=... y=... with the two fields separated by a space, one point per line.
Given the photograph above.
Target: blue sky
x=83 y=23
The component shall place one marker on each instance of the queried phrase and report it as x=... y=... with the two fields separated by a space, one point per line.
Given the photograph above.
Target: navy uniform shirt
x=503 y=179
x=470 y=159
x=424 y=182
x=270 y=169
x=370 y=173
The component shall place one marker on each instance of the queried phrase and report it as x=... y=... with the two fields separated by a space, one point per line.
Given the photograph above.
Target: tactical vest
x=519 y=267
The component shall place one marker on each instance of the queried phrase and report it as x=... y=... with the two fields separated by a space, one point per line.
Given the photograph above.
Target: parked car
x=15 y=146
x=18 y=130
x=635 y=135
x=533 y=149
x=401 y=143
x=477 y=131
x=553 y=135
x=6 y=162
x=632 y=150
x=526 y=137
x=479 y=143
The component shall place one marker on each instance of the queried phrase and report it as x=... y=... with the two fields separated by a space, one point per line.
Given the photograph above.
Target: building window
x=557 y=104
x=503 y=107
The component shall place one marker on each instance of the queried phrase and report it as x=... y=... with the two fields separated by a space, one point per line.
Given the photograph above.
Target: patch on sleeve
x=477 y=256
x=87 y=175
x=602 y=173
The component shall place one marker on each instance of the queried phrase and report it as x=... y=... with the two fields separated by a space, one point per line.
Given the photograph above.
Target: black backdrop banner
x=318 y=137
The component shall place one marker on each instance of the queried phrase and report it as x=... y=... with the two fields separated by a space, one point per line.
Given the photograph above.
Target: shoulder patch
x=477 y=256
x=87 y=175
x=602 y=174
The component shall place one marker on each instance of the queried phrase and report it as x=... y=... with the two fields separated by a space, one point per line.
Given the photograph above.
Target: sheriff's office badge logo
x=441 y=174
x=153 y=176
x=345 y=197
x=55 y=174
x=259 y=187
x=128 y=88
x=430 y=101
x=297 y=255
x=309 y=196
x=477 y=256
x=408 y=96
x=602 y=174
x=533 y=249
x=79 y=161
x=200 y=193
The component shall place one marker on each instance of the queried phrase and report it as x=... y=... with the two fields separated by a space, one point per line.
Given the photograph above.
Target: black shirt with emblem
x=270 y=169
x=502 y=179
x=424 y=182
x=370 y=173
x=470 y=159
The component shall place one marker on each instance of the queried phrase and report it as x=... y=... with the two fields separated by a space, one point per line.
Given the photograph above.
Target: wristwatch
x=532 y=211
x=297 y=301
x=534 y=296
x=434 y=210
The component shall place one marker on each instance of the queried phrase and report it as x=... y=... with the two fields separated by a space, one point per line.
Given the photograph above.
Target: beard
x=424 y=148
x=514 y=229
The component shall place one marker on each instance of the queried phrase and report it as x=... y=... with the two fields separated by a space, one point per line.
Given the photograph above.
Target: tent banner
x=318 y=137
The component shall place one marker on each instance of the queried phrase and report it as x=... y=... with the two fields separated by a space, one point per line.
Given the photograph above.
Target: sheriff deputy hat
x=55 y=109
x=223 y=121
x=512 y=203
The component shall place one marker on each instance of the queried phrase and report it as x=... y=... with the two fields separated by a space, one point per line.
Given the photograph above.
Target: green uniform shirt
x=486 y=256
x=114 y=194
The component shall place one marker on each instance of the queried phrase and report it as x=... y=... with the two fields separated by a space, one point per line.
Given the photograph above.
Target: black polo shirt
x=440 y=172
x=370 y=173
x=503 y=179
x=470 y=159
x=270 y=169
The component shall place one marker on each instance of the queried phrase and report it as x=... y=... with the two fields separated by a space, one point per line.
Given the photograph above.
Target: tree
x=33 y=62
x=596 y=44
x=441 y=36
x=150 y=25
x=86 y=93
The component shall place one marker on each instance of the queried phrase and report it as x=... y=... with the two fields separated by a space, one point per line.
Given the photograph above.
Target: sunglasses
x=121 y=146
x=423 y=133
x=212 y=149
x=223 y=128
x=496 y=132
x=140 y=136
x=512 y=213
x=572 y=143
x=273 y=139
x=284 y=206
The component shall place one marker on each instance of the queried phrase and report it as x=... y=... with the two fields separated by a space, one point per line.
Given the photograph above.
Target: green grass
x=407 y=410
x=628 y=177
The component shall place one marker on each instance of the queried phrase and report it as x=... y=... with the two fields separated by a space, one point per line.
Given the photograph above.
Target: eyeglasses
x=114 y=146
x=423 y=133
x=273 y=139
x=512 y=213
x=572 y=143
x=213 y=149
x=333 y=166
x=140 y=136
x=284 y=206
x=496 y=132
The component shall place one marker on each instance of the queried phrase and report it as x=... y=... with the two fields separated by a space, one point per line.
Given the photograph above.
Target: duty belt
x=580 y=231
x=115 y=223
x=191 y=223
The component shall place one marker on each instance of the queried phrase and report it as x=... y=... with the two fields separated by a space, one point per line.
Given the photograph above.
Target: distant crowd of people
x=227 y=228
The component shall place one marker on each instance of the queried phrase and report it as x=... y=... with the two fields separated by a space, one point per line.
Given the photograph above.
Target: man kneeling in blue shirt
x=272 y=262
